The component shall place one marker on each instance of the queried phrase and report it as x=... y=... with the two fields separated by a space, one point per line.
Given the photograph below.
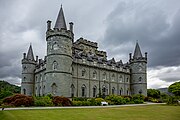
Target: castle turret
x=138 y=72
x=59 y=58
x=28 y=67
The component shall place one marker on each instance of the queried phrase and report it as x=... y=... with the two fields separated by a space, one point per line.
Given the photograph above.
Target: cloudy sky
x=115 y=24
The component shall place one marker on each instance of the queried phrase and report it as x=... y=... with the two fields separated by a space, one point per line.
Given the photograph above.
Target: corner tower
x=28 y=68
x=138 y=72
x=59 y=57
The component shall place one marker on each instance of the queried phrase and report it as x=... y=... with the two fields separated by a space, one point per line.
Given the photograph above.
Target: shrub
x=79 y=99
x=138 y=98
x=43 y=101
x=19 y=100
x=115 y=100
x=81 y=103
x=61 y=101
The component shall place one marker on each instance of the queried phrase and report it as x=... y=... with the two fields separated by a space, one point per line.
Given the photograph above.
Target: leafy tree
x=175 y=88
x=153 y=93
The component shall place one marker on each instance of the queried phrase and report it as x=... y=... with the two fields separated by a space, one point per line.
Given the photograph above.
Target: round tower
x=28 y=68
x=138 y=72
x=59 y=58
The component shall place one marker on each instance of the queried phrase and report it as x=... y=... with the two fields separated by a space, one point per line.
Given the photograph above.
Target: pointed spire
x=60 y=22
x=30 y=55
x=137 y=51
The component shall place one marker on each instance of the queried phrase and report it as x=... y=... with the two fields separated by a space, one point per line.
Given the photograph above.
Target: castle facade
x=78 y=69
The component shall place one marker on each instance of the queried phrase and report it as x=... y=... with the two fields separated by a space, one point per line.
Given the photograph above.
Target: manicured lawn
x=151 y=112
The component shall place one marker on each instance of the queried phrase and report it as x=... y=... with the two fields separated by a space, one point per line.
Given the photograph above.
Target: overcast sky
x=115 y=24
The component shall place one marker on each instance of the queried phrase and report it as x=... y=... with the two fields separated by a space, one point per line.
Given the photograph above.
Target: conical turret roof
x=137 y=52
x=60 y=22
x=30 y=55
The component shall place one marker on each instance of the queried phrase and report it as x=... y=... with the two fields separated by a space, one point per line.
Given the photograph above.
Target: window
x=83 y=88
x=40 y=91
x=54 y=88
x=72 y=90
x=83 y=73
x=94 y=91
x=43 y=90
x=104 y=91
x=120 y=78
x=94 y=75
x=40 y=78
x=104 y=76
x=113 y=90
x=127 y=79
x=140 y=91
x=24 y=91
x=95 y=63
x=127 y=92
x=121 y=91
x=24 y=79
x=113 y=77
x=55 y=46
x=84 y=60
x=55 y=65
x=140 y=79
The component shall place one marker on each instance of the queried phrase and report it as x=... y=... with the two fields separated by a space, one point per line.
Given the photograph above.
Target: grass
x=153 y=112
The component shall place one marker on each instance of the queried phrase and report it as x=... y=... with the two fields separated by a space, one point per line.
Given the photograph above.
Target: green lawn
x=151 y=112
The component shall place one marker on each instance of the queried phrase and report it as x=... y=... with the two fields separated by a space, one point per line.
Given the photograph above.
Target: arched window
x=127 y=79
x=54 y=88
x=83 y=88
x=24 y=79
x=55 y=65
x=127 y=92
x=104 y=76
x=43 y=90
x=113 y=77
x=121 y=91
x=40 y=78
x=140 y=79
x=24 y=91
x=94 y=91
x=83 y=73
x=55 y=46
x=94 y=75
x=104 y=91
x=113 y=90
x=140 y=91
x=72 y=90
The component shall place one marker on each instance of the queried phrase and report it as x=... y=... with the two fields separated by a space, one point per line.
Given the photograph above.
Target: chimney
x=71 y=26
x=24 y=55
x=48 y=25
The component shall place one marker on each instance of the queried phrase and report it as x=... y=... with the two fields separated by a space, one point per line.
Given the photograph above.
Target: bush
x=79 y=99
x=61 y=101
x=43 y=101
x=137 y=99
x=115 y=100
x=81 y=103
x=19 y=100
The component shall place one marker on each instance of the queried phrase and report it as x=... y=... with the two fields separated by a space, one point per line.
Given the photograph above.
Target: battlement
x=86 y=42
x=101 y=53
x=61 y=32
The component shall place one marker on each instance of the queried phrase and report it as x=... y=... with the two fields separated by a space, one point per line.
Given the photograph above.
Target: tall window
x=83 y=73
x=94 y=91
x=24 y=91
x=127 y=79
x=113 y=90
x=113 y=77
x=83 y=88
x=121 y=91
x=54 y=88
x=72 y=90
x=140 y=91
x=24 y=79
x=127 y=92
x=43 y=91
x=94 y=75
x=40 y=78
x=104 y=91
x=104 y=76
x=55 y=65
x=140 y=79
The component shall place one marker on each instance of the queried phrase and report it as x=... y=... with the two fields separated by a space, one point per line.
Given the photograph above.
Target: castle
x=78 y=69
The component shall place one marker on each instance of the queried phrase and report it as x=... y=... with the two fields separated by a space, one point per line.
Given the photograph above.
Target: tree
x=153 y=93
x=175 y=88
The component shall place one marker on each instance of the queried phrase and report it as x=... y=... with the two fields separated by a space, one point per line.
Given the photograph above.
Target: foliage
x=7 y=89
x=19 y=100
x=175 y=88
x=61 y=101
x=153 y=93
x=81 y=103
x=79 y=99
x=173 y=100
x=43 y=101
x=137 y=99
x=115 y=100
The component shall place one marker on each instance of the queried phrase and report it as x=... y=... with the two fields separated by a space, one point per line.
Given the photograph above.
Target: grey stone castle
x=78 y=69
